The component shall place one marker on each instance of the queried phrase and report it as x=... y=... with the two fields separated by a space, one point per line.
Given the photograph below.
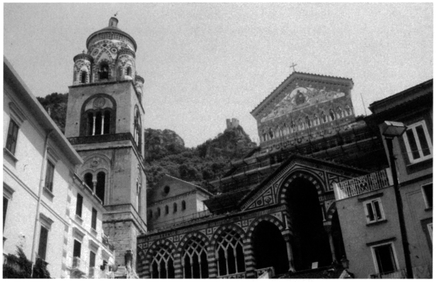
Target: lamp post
x=392 y=129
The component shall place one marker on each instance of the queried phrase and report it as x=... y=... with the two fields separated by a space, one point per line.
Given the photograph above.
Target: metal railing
x=366 y=183
x=238 y=275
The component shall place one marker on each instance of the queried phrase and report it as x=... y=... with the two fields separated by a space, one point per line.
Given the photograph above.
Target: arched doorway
x=270 y=247
x=310 y=241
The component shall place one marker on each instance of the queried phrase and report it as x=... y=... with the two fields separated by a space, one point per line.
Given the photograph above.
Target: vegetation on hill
x=165 y=151
x=56 y=106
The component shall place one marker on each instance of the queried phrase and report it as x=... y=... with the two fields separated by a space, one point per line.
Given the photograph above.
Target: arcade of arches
x=293 y=234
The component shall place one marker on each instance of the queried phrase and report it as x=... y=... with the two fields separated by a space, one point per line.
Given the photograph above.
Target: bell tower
x=104 y=124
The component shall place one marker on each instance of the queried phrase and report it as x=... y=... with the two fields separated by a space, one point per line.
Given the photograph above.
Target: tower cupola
x=110 y=57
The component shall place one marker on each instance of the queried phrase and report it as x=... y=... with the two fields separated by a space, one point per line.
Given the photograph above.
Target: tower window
x=83 y=76
x=183 y=205
x=129 y=71
x=104 y=71
x=175 y=207
x=100 y=187
x=98 y=116
x=167 y=210
x=88 y=180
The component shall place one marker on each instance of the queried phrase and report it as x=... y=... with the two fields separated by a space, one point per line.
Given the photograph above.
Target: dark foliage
x=56 y=105
x=18 y=266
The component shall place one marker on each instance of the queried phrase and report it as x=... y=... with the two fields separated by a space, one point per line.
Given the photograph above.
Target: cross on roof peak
x=293 y=67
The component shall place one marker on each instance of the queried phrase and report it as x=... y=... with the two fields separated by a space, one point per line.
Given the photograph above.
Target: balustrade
x=366 y=183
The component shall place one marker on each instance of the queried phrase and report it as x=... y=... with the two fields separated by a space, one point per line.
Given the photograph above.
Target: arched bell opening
x=270 y=247
x=310 y=240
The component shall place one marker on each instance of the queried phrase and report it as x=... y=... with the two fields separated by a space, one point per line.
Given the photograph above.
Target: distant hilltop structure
x=232 y=123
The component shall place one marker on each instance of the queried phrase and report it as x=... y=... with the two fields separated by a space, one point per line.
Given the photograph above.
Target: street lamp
x=390 y=130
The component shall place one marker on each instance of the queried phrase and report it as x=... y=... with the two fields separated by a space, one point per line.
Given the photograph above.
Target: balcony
x=239 y=275
x=363 y=184
x=78 y=268
x=422 y=271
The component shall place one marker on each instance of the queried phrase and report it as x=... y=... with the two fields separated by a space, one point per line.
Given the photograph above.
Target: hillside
x=198 y=165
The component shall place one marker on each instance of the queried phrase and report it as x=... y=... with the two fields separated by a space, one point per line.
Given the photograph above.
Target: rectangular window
x=49 y=176
x=374 y=210
x=94 y=219
x=77 y=249
x=430 y=230
x=79 y=205
x=427 y=191
x=91 y=259
x=11 y=141
x=43 y=237
x=418 y=142
x=384 y=258
x=5 y=209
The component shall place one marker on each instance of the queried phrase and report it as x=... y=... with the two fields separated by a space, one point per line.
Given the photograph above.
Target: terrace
x=363 y=184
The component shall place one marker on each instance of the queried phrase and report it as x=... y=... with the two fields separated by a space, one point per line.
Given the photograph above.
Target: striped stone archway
x=153 y=251
x=185 y=240
x=286 y=184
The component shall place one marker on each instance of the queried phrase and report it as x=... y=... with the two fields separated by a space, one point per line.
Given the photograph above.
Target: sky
x=206 y=62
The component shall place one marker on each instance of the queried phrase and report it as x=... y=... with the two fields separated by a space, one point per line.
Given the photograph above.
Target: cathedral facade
x=276 y=214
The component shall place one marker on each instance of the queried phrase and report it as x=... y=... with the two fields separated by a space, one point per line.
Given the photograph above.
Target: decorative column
x=93 y=124
x=178 y=272
x=328 y=229
x=213 y=270
x=250 y=263
x=287 y=236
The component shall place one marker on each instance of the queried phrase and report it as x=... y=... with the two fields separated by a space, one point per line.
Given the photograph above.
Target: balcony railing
x=79 y=265
x=422 y=271
x=239 y=275
x=363 y=184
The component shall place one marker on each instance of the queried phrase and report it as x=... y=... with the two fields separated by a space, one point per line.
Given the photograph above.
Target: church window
x=332 y=115
x=175 y=207
x=307 y=121
x=158 y=212
x=129 y=71
x=315 y=120
x=183 y=205
x=194 y=259
x=271 y=134
x=150 y=214
x=348 y=110
x=162 y=265
x=104 y=71
x=229 y=253
x=88 y=180
x=323 y=117
x=100 y=186
x=167 y=210
x=98 y=116
x=340 y=112
x=83 y=76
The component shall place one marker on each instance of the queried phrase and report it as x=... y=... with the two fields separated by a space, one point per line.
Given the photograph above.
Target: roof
x=176 y=186
x=288 y=80
x=111 y=29
x=39 y=113
x=232 y=200
x=402 y=97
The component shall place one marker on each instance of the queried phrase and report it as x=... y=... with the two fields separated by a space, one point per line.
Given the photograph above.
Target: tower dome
x=113 y=54
x=113 y=33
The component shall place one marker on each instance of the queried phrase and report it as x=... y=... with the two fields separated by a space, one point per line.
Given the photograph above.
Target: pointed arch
x=285 y=185
x=193 y=250
x=228 y=243
x=160 y=258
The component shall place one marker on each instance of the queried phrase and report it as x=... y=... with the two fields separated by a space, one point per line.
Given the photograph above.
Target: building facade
x=104 y=124
x=280 y=193
x=367 y=205
x=39 y=174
